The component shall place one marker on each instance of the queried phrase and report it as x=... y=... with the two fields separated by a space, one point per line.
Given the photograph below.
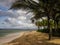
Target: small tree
x=39 y=24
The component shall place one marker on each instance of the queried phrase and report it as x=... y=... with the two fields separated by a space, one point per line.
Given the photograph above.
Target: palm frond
x=24 y=4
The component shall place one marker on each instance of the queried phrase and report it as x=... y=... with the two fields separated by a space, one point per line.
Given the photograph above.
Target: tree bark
x=49 y=28
x=55 y=25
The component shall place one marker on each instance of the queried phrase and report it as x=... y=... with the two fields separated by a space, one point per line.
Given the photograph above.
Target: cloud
x=8 y=13
x=6 y=3
x=16 y=19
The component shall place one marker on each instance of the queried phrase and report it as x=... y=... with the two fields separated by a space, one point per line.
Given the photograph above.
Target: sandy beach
x=29 y=38
x=10 y=37
x=34 y=38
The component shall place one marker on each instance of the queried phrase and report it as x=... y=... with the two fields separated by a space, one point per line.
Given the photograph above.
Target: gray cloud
x=6 y=3
x=9 y=14
x=15 y=19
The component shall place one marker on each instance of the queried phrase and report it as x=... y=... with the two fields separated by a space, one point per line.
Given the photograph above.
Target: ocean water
x=8 y=31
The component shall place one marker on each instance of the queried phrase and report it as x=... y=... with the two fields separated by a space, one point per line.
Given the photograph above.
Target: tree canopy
x=42 y=8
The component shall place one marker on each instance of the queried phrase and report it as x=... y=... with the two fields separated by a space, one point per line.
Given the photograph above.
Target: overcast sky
x=14 y=19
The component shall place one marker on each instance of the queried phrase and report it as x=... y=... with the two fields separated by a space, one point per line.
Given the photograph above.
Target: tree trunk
x=50 y=33
x=43 y=24
x=49 y=28
x=55 y=25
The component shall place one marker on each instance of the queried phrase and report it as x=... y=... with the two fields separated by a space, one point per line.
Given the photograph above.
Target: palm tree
x=41 y=8
x=39 y=24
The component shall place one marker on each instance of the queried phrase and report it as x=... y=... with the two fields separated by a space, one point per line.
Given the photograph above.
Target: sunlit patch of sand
x=55 y=40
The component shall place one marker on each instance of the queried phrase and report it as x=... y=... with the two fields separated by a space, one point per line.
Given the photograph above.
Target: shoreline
x=10 y=37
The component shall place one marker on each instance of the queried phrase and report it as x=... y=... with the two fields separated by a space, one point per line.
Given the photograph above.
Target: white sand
x=10 y=37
